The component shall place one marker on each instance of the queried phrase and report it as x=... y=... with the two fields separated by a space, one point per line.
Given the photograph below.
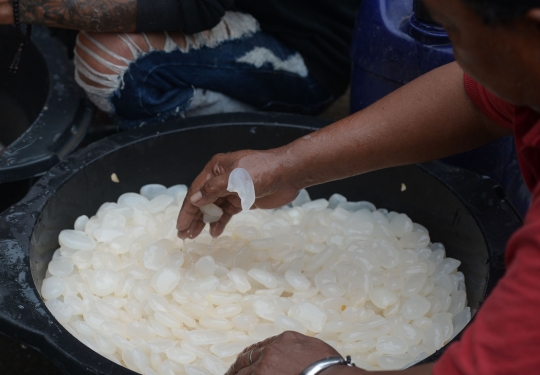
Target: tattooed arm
x=6 y=12
x=89 y=15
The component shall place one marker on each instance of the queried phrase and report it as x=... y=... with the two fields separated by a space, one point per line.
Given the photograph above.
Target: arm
x=187 y=16
x=417 y=370
x=430 y=118
x=290 y=353
x=90 y=15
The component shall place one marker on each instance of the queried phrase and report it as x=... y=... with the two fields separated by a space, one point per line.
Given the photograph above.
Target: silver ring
x=250 y=353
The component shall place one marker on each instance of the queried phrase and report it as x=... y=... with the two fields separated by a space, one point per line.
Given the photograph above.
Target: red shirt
x=504 y=337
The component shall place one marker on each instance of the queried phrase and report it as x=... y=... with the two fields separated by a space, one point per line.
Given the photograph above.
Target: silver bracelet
x=323 y=364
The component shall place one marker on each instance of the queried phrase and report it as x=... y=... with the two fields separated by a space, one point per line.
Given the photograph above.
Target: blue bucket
x=395 y=42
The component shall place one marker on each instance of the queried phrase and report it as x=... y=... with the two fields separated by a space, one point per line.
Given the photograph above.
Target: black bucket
x=43 y=113
x=464 y=211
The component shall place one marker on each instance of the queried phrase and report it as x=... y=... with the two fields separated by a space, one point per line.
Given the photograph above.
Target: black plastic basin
x=460 y=209
x=43 y=113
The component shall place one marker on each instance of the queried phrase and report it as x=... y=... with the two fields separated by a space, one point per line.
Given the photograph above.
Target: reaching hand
x=270 y=172
x=286 y=354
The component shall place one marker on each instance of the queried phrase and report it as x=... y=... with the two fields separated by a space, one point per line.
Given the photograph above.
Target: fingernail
x=196 y=197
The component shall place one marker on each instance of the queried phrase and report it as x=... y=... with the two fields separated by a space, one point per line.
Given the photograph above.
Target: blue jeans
x=254 y=69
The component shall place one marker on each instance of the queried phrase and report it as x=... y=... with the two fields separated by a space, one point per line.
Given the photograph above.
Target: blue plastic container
x=396 y=41
x=392 y=47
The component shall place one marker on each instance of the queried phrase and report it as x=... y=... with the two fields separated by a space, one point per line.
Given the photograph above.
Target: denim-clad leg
x=241 y=69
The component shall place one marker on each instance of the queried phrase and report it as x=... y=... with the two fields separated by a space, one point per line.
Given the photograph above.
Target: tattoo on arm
x=88 y=15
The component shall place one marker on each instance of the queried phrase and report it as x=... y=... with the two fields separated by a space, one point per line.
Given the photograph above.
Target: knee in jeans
x=100 y=53
x=110 y=54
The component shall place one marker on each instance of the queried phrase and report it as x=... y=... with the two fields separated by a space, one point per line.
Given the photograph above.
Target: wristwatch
x=323 y=364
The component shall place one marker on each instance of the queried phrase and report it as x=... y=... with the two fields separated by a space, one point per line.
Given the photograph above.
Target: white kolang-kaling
x=211 y=213
x=367 y=281
x=240 y=182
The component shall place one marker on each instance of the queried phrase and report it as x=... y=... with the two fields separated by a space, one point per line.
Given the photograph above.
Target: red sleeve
x=495 y=108
x=504 y=337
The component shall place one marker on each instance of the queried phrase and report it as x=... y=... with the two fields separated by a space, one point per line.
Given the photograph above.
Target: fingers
x=211 y=185
x=287 y=353
x=212 y=189
x=246 y=371
x=242 y=361
x=193 y=230
x=256 y=355
x=204 y=190
x=230 y=207
x=189 y=212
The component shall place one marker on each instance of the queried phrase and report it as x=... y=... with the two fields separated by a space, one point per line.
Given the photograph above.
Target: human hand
x=286 y=354
x=271 y=175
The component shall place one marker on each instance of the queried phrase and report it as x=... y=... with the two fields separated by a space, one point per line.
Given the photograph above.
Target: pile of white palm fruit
x=366 y=281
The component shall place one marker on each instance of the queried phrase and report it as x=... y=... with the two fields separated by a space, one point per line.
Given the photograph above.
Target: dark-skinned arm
x=342 y=370
x=290 y=353
x=89 y=15
x=186 y=16
x=430 y=118
x=427 y=119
